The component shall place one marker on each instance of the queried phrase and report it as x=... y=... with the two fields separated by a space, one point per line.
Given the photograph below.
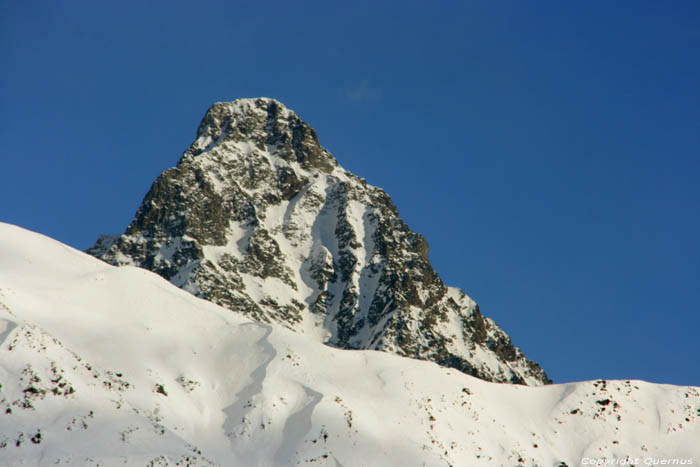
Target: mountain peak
x=262 y=124
x=249 y=106
x=258 y=217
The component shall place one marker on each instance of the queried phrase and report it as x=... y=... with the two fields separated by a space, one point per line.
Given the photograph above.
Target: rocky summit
x=258 y=217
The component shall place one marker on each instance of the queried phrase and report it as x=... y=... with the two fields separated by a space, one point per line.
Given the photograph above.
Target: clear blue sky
x=549 y=151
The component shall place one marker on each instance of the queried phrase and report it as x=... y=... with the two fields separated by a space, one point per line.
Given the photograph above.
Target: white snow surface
x=110 y=366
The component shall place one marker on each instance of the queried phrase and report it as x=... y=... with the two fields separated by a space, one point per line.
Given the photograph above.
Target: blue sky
x=549 y=151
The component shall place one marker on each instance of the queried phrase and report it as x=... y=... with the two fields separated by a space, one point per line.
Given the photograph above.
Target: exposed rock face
x=259 y=218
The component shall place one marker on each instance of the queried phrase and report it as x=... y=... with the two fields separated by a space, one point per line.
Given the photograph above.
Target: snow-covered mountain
x=102 y=365
x=259 y=218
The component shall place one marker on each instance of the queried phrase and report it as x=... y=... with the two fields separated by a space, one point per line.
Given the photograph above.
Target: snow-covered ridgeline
x=104 y=365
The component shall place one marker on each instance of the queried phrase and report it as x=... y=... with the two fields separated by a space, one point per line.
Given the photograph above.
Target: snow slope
x=112 y=366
